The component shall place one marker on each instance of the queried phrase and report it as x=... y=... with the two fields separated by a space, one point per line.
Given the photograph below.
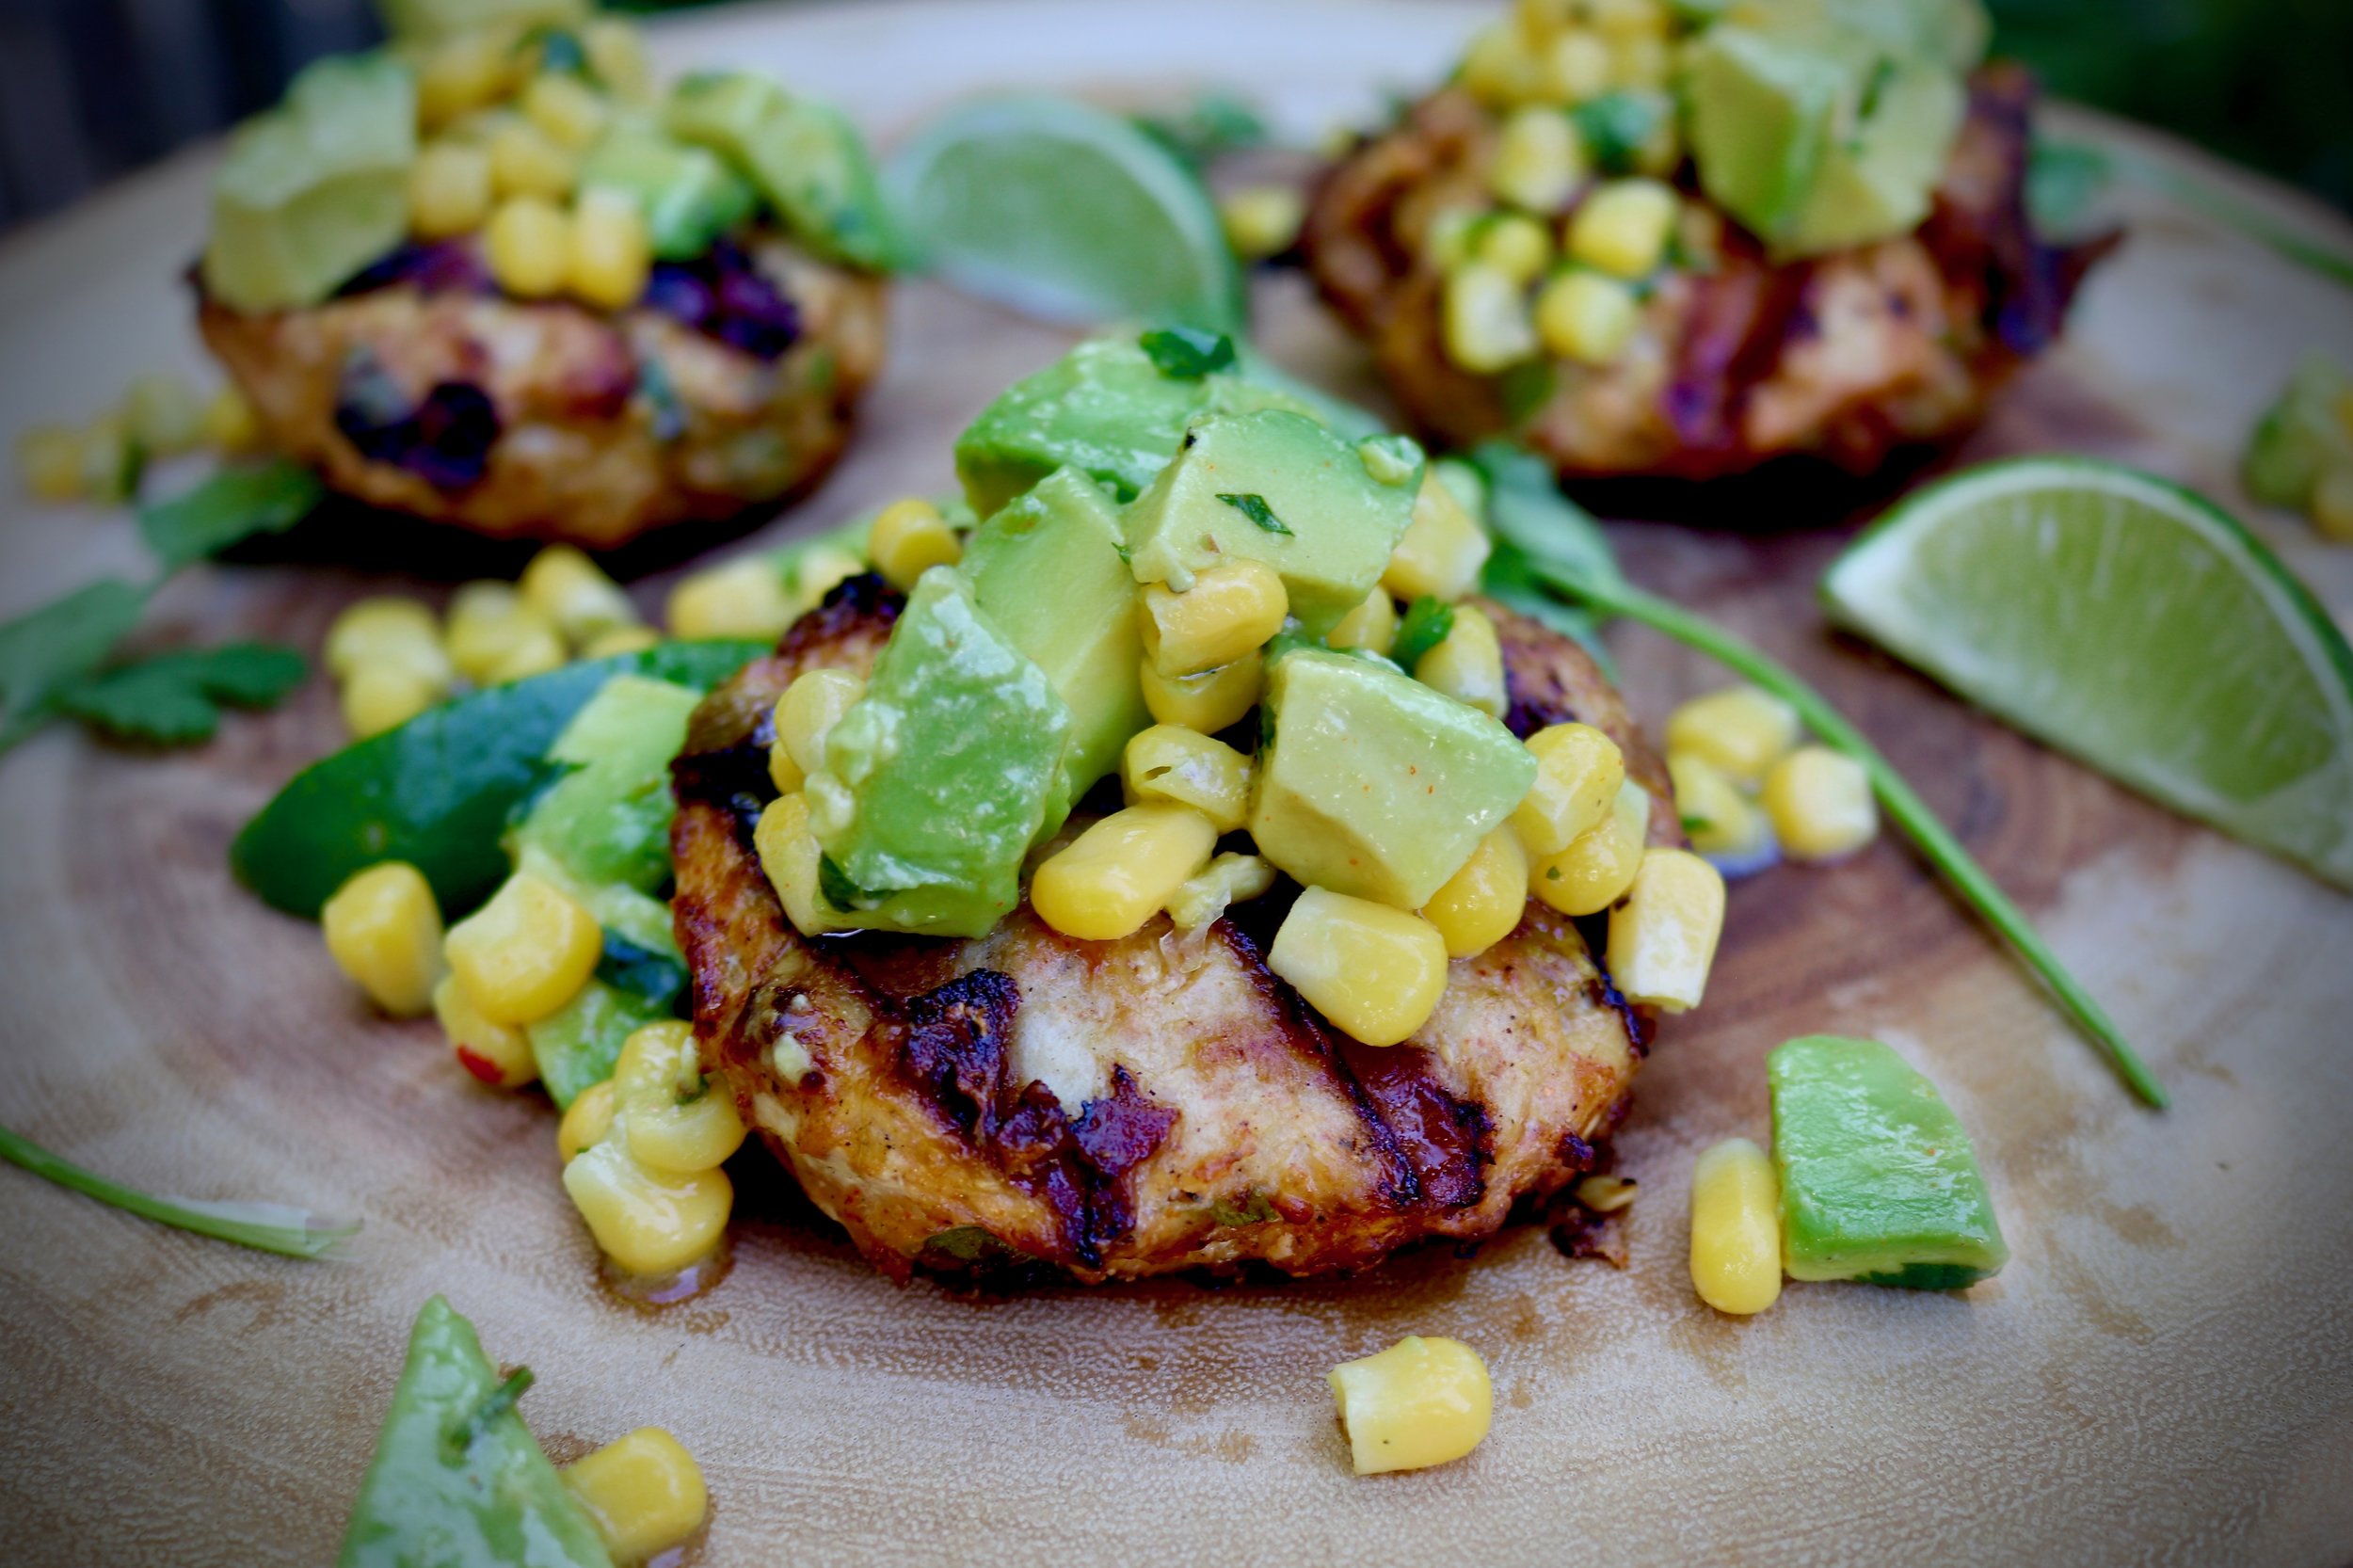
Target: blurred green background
x=92 y=89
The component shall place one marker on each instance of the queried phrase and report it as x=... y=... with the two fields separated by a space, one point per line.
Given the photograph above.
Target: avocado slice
x=807 y=159
x=2308 y=431
x=938 y=778
x=1046 y=570
x=690 y=196
x=1278 y=488
x=1878 y=1180
x=315 y=189
x=431 y=21
x=1877 y=182
x=1373 y=785
x=1107 y=410
x=605 y=816
x=458 y=1480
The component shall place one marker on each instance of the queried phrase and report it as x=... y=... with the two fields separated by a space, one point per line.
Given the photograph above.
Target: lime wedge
x=2132 y=624
x=1065 y=212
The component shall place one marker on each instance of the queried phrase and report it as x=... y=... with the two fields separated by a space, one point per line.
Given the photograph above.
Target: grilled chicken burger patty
x=420 y=388
x=1848 y=356
x=1135 y=1107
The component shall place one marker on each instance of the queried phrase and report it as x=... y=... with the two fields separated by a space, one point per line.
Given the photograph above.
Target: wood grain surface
x=2164 y=1373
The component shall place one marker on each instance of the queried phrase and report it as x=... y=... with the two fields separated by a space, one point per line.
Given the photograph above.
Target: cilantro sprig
x=1255 y=508
x=268 y=1228
x=1187 y=353
x=62 y=659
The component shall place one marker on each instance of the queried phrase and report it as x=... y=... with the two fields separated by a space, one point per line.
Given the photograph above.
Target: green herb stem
x=302 y=1238
x=1909 y=811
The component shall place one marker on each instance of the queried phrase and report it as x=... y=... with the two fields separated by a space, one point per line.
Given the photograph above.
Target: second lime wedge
x=1062 y=211
x=2132 y=624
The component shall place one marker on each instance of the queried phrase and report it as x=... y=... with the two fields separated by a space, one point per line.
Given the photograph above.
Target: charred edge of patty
x=947 y=1045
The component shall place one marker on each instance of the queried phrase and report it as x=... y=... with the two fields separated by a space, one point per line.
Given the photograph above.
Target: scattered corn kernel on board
x=2162 y=1373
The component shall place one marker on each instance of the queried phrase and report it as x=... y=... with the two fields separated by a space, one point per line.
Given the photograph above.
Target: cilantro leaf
x=1187 y=353
x=45 y=653
x=1257 y=510
x=641 y=972
x=1426 y=625
x=1615 y=126
x=175 y=698
x=1210 y=127
x=232 y=505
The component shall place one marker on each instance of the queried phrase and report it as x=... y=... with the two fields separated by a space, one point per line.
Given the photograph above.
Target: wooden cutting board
x=2163 y=1374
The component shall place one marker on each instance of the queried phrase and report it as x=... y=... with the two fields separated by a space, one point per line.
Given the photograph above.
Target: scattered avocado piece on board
x=1877 y=1181
x=2305 y=433
x=458 y=1480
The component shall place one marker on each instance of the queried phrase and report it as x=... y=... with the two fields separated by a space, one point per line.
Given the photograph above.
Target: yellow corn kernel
x=567 y=110
x=619 y=640
x=163 y=414
x=789 y=852
x=1227 y=613
x=526 y=161
x=530 y=247
x=526 y=952
x=1722 y=821
x=1539 y=160
x=1600 y=862
x=1261 y=220
x=810 y=709
x=1514 y=244
x=744 y=598
x=1375 y=972
x=1615 y=19
x=1640 y=64
x=2331 y=506
x=1586 y=317
x=1169 y=763
x=1370 y=626
x=1424 y=1401
x=230 y=423
x=1622 y=227
x=671 y=1116
x=384 y=931
x=1228 y=880
x=470 y=71
x=587 y=1121
x=489 y=624
x=49 y=460
x=495 y=1055
x=537 y=653
x=448 y=190
x=911 y=538
x=617 y=53
x=1820 y=803
x=644 y=1494
x=1735 y=1228
x=377 y=698
x=1578 y=774
x=1498 y=68
x=570 y=590
x=1440 y=552
x=111 y=463
x=387 y=629
x=1541 y=21
x=1108 y=881
x=1663 y=932
x=1209 y=701
x=1742 y=730
x=649 y=1223
x=611 y=255
x=1452 y=236
x=1576 y=66
x=1485 y=324
x=1468 y=665
x=1482 y=904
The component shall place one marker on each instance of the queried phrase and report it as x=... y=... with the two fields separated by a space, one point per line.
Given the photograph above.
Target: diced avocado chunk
x=315 y=189
x=807 y=159
x=607 y=819
x=937 y=780
x=1277 y=488
x=1878 y=181
x=458 y=1480
x=1952 y=34
x=576 y=1045
x=1106 y=409
x=689 y=196
x=430 y=21
x=1372 y=784
x=1878 y=1180
x=1046 y=570
x=1759 y=112
x=2302 y=435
